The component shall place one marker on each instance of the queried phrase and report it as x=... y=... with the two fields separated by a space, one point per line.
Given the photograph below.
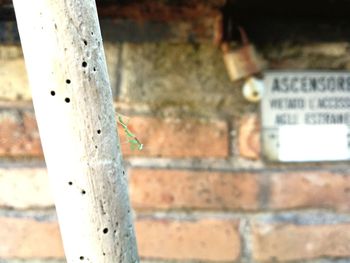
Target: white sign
x=306 y=116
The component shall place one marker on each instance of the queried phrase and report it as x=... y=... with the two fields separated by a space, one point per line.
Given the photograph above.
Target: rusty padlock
x=242 y=61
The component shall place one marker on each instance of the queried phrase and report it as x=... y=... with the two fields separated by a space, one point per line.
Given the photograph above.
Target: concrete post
x=64 y=56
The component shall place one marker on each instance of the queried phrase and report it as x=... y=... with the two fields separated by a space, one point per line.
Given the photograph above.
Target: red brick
x=292 y=242
x=197 y=240
x=179 y=138
x=173 y=189
x=19 y=135
x=161 y=239
x=249 y=137
x=25 y=187
x=161 y=138
x=310 y=190
x=27 y=238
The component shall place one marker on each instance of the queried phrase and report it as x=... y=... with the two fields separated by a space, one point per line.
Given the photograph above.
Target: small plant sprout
x=134 y=142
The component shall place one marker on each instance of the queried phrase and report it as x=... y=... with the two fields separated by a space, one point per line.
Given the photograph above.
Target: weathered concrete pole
x=72 y=98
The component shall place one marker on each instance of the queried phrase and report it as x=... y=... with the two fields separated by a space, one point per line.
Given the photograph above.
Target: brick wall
x=200 y=190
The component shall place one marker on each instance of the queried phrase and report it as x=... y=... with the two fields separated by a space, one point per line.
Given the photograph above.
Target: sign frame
x=273 y=149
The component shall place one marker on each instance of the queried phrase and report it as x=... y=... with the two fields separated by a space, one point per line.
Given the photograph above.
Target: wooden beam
x=143 y=10
x=159 y=11
x=72 y=98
